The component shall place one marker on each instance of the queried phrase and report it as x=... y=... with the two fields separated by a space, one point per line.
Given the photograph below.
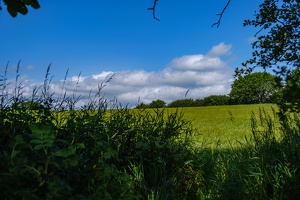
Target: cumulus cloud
x=201 y=74
x=200 y=63
x=220 y=50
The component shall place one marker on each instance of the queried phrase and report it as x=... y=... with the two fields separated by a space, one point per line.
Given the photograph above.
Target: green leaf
x=33 y=3
x=65 y=142
x=40 y=129
x=38 y=147
x=12 y=12
x=110 y=153
x=19 y=140
x=71 y=150
x=22 y=9
x=14 y=153
x=47 y=145
x=61 y=153
x=157 y=144
x=36 y=141
x=73 y=162
x=80 y=145
x=48 y=140
x=142 y=145
x=65 y=153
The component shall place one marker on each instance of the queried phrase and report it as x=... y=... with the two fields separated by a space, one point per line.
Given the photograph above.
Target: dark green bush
x=182 y=103
x=212 y=100
x=216 y=100
x=51 y=150
x=142 y=106
x=157 y=104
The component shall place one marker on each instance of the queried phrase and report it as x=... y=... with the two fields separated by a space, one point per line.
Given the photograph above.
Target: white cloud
x=197 y=63
x=202 y=75
x=220 y=50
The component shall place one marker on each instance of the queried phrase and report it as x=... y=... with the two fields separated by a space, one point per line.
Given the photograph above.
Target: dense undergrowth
x=50 y=150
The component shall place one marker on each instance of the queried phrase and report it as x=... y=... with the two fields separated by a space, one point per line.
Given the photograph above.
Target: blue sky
x=150 y=59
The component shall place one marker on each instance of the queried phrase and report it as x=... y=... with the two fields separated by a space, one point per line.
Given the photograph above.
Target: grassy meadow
x=50 y=150
x=222 y=126
x=213 y=126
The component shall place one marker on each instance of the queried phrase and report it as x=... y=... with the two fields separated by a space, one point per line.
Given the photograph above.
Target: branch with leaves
x=16 y=6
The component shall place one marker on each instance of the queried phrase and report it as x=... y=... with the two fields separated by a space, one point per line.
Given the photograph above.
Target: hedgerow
x=52 y=149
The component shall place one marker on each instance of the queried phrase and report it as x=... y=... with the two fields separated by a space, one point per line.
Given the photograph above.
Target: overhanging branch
x=153 y=9
x=221 y=15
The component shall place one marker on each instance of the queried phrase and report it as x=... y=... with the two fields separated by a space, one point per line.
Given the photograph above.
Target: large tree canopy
x=291 y=91
x=277 y=46
x=257 y=87
x=278 y=42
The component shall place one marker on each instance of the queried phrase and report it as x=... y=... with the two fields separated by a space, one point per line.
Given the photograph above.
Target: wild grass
x=223 y=126
x=47 y=152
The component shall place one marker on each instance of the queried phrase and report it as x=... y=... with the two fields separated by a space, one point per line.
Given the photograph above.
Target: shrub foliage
x=50 y=150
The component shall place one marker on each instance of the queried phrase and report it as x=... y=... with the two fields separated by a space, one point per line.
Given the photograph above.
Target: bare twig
x=153 y=9
x=215 y=24
x=221 y=15
x=186 y=93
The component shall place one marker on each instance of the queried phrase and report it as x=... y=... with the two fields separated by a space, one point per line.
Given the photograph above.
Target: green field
x=215 y=126
x=169 y=153
x=222 y=126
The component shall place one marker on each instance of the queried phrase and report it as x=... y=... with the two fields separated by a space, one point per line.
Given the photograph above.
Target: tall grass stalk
x=52 y=149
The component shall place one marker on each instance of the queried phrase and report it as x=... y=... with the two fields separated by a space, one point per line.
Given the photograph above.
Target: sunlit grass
x=222 y=126
x=215 y=126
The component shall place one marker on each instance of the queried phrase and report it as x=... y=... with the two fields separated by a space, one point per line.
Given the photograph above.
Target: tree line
x=207 y=101
x=254 y=88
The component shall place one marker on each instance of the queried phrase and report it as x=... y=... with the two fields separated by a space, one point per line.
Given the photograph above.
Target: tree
x=277 y=44
x=216 y=100
x=291 y=91
x=142 y=106
x=256 y=87
x=157 y=104
x=182 y=103
x=16 y=6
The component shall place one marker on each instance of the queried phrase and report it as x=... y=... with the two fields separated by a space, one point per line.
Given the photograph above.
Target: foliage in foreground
x=266 y=166
x=49 y=150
